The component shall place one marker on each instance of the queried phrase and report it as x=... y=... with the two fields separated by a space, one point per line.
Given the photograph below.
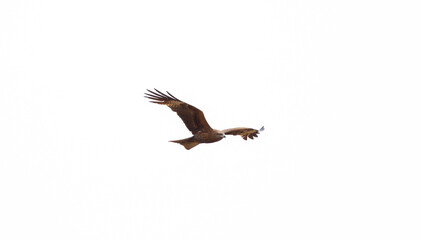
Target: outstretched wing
x=192 y=117
x=244 y=132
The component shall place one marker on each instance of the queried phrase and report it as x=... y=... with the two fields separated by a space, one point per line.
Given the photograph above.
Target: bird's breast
x=206 y=137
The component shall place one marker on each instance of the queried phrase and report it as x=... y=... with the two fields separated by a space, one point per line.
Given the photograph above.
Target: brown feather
x=188 y=143
x=192 y=117
x=244 y=132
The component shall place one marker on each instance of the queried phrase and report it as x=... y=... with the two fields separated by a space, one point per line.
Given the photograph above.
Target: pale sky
x=337 y=85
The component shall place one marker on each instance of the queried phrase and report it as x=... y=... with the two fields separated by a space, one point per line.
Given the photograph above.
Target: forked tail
x=188 y=143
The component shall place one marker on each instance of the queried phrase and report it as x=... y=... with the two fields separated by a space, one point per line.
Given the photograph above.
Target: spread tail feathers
x=188 y=143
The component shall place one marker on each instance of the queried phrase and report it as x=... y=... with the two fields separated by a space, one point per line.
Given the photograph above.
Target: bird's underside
x=195 y=121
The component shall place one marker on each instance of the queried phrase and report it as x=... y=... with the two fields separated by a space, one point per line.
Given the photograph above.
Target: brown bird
x=196 y=122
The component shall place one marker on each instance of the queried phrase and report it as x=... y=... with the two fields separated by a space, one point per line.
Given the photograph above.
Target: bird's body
x=195 y=121
x=209 y=136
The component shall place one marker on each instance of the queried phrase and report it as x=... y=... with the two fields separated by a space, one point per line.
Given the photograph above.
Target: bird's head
x=219 y=134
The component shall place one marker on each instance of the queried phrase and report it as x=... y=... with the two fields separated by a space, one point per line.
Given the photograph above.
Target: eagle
x=195 y=121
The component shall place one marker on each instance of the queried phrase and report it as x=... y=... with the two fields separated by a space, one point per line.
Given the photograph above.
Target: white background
x=337 y=85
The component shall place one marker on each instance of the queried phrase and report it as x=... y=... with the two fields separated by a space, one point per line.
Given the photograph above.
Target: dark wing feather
x=244 y=132
x=192 y=117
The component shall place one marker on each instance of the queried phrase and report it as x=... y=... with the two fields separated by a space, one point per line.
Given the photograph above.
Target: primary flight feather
x=195 y=121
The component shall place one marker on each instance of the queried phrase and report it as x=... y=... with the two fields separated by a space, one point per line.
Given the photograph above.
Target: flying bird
x=195 y=121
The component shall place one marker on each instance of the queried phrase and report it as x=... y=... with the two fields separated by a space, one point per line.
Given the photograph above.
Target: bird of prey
x=195 y=121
